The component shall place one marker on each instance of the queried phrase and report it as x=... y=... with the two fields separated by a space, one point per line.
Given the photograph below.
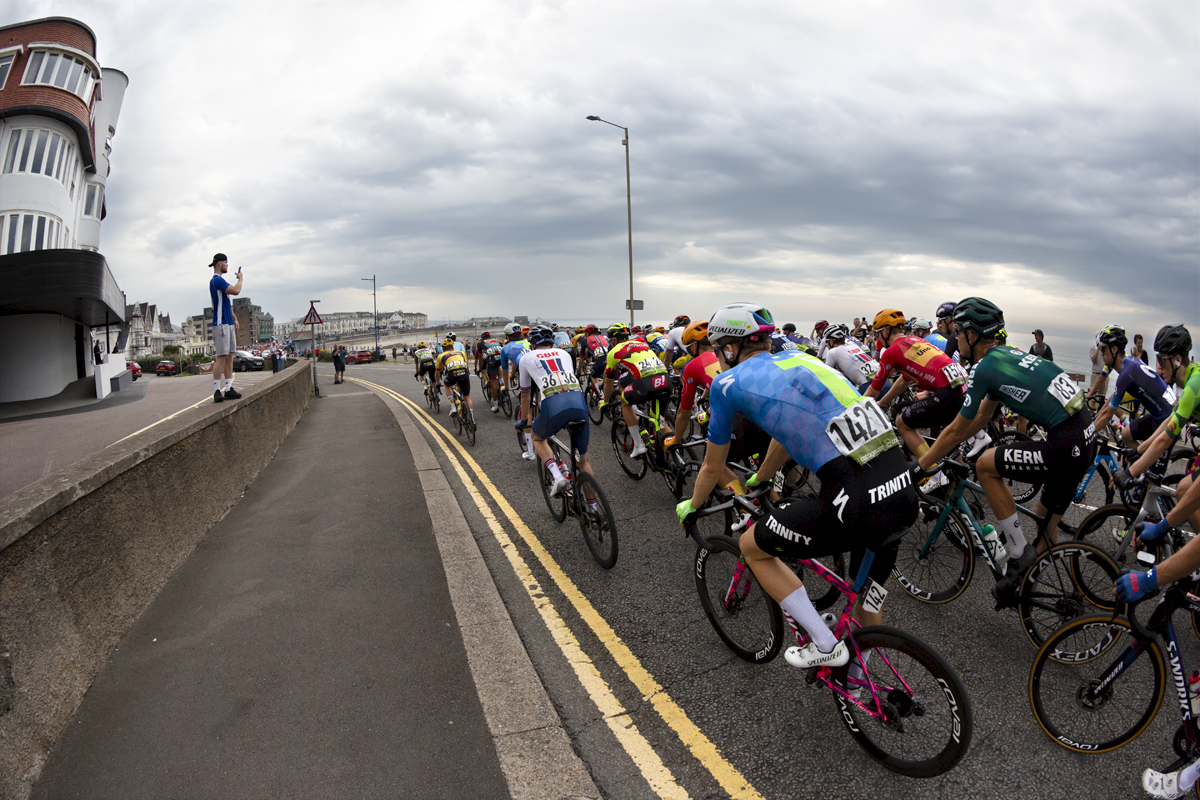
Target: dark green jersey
x=1031 y=386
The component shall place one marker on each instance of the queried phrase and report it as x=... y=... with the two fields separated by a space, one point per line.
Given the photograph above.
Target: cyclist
x=924 y=328
x=845 y=355
x=595 y=348
x=562 y=340
x=804 y=343
x=916 y=361
x=1042 y=393
x=656 y=341
x=551 y=370
x=423 y=358
x=453 y=337
x=487 y=356
x=642 y=376
x=511 y=353
x=675 y=337
x=812 y=415
x=1135 y=378
x=818 y=331
x=781 y=341
x=945 y=327
x=452 y=370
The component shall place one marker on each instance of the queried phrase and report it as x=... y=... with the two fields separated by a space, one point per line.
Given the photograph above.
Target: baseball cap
x=1038 y=332
x=218 y=257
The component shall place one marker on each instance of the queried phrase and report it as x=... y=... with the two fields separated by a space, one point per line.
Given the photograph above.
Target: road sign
x=638 y=305
x=312 y=317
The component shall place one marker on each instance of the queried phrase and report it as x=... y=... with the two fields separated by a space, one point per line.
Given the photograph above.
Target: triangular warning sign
x=312 y=317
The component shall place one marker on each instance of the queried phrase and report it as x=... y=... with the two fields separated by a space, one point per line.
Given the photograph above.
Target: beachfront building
x=58 y=117
x=147 y=332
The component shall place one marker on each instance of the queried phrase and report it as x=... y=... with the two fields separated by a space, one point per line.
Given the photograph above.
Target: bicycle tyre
x=470 y=427
x=437 y=401
x=1057 y=686
x=486 y=389
x=622 y=444
x=429 y=395
x=1100 y=529
x=458 y=417
x=748 y=621
x=946 y=569
x=521 y=439
x=1096 y=494
x=600 y=540
x=1046 y=602
x=557 y=505
x=506 y=405
x=930 y=696
x=595 y=412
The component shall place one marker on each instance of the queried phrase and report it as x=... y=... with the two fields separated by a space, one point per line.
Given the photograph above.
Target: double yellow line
x=657 y=774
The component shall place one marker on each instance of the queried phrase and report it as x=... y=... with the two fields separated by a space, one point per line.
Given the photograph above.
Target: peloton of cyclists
x=640 y=373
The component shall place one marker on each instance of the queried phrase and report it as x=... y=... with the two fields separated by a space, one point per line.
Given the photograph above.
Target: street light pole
x=628 y=207
x=375 y=305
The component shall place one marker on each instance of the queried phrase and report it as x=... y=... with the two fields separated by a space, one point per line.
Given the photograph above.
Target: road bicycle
x=595 y=396
x=598 y=525
x=1099 y=681
x=655 y=429
x=432 y=395
x=464 y=418
x=535 y=406
x=937 y=560
x=899 y=699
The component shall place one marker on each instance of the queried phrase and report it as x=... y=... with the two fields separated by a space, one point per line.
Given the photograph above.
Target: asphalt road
x=783 y=736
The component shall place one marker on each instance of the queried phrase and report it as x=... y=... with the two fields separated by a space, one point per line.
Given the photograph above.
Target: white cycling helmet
x=512 y=329
x=737 y=322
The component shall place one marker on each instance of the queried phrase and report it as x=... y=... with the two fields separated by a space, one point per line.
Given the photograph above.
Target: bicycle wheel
x=521 y=438
x=1073 y=700
x=428 y=396
x=599 y=528
x=557 y=505
x=1094 y=494
x=740 y=610
x=798 y=482
x=595 y=413
x=1067 y=581
x=487 y=387
x=1107 y=528
x=914 y=716
x=506 y=404
x=458 y=415
x=622 y=443
x=470 y=426
x=437 y=401
x=943 y=572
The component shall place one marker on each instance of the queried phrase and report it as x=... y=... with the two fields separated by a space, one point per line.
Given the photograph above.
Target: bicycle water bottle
x=1194 y=691
x=995 y=547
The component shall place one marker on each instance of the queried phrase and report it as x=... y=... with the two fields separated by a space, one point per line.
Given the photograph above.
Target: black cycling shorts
x=935 y=411
x=425 y=368
x=492 y=365
x=1143 y=427
x=857 y=509
x=747 y=441
x=645 y=390
x=1058 y=463
x=598 y=365
x=461 y=379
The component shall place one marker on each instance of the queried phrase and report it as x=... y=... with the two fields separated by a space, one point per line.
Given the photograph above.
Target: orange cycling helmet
x=888 y=318
x=696 y=332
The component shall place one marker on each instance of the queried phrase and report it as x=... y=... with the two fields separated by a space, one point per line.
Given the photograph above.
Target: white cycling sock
x=228 y=384
x=1188 y=775
x=856 y=672
x=1014 y=540
x=636 y=432
x=216 y=384
x=552 y=465
x=529 y=442
x=805 y=613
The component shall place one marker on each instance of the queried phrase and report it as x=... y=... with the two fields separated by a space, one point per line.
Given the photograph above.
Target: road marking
x=164 y=419
x=730 y=779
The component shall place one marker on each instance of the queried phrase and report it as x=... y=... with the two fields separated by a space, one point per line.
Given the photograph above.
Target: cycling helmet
x=660 y=329
x=738 y=322
x=695 y=332
x=789 y=327
x=618 y=331
x=590 y=329
x=447 y=343
x=946 y=310
x=888 y=318
x=452 y=336
x=837 y=332
x=525 y=329
x=820 y=326
x=681 y=321
x=978 y=315
x=540 y=336
x=512 y=329
x=919 y=324
x=1113 y=336
x=485 y=335
x=1173 y=340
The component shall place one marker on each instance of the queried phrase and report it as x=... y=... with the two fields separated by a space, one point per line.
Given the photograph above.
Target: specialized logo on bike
x=787 y=533
x=1018 y=393
x=1023 y=456
x=890 y=487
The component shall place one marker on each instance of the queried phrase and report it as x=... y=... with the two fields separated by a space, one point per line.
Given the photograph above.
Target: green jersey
x=423 y=355
x=1187 y=408
x=1033 y=387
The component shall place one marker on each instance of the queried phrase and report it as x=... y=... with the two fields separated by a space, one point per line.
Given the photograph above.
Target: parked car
x=244 y=361
x=135 y=368
x=167 y=368
x=363 y=357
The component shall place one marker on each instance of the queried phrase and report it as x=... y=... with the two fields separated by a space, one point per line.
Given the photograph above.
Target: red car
x=360 y=357
x=167 y=368
x=133 y=367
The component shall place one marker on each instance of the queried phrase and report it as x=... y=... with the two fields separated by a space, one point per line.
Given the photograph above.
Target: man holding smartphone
x=224 y=327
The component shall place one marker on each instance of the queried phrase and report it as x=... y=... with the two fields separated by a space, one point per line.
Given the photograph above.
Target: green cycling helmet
x=978 y=315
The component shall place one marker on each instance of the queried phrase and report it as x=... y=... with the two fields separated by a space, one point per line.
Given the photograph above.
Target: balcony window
x=38 y=151
x=6 y=62
x=93 y=201
x=62 y=70
x=22 y=232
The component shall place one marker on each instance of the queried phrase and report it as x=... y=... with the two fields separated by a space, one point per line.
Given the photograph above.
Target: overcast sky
x=825 y=159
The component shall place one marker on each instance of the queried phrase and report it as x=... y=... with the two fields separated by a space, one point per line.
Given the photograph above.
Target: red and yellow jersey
x=452 y=361
x=697 y=375
x=636 y=357
x=924 y=363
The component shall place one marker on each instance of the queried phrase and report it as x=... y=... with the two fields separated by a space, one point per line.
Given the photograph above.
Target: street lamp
x=628 y=207
x=375 y=305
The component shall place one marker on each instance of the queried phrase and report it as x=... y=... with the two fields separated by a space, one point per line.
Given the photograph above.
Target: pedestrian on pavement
x=339 y=365
x=224 y=327
x=1040 y=348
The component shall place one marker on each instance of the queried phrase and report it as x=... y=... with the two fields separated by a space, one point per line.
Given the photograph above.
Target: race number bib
x=1064 y=390
x=873 y=596
x=554 y=382
x=862 y=431
x=955 y=374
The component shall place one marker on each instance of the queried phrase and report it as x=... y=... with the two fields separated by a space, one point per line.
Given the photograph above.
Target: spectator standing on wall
x=224 y=327
x=1040 y=348
x=1099 y=375
x=1138 y=351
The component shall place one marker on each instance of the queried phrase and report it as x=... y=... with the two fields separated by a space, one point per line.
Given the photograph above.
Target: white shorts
x=224 y=339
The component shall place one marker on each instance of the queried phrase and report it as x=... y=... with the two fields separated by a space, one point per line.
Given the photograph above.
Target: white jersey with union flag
x=550 y=370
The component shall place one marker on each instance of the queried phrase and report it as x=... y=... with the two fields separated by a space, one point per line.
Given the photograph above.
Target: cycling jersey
x=853 y=362
x=550 y=369
x=511 y=353
x=597 y=345
x=636 y=357
x=423 y=355
x=803 y=343
x=1187 y=408
x=562 y=340
x=1145 y=386
x=808 y=407
x=920 y=361
x=489 y=349
x=697 y=375
x=943 y=344
x=656 y=341
x=454 y=361
x=780 y=342
x=675 y=339
x=1032 y=387
x=460 y=347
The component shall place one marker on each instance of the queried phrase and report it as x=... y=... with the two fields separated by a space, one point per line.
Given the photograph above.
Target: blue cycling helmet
x=540 y=336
